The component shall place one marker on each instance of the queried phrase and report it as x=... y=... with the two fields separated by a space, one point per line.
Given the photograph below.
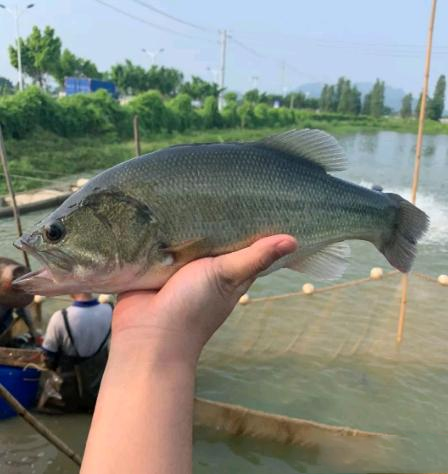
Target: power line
x=171 y=17
x=148 y=23
x=338 y=43
x=185 y=35
x=247 y=48
x=284 y=63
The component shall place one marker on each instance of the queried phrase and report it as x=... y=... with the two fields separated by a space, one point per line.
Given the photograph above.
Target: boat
x=19 y=374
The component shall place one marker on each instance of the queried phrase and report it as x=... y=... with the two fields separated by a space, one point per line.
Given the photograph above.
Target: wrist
x=154 y=348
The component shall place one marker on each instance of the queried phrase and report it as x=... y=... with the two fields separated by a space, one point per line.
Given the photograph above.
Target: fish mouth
x=35 y=282
x=44 y=281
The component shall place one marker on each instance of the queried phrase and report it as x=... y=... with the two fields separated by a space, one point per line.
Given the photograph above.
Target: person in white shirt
x=76 y=346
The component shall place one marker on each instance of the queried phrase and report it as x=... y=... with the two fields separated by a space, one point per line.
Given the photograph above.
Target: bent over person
x=76 y=346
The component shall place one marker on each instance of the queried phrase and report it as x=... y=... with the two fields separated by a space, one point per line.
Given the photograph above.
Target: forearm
x=144 y=413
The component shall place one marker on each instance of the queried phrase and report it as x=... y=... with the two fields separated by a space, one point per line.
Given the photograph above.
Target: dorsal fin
x=312 y=145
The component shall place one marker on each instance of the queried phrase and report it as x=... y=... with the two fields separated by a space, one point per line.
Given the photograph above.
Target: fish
x=9 y=296
x=136 y=224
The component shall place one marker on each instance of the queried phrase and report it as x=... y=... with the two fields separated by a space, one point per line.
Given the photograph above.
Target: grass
x=45 y=158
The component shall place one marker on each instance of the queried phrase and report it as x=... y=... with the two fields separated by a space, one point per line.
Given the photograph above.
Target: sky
x=317 y=40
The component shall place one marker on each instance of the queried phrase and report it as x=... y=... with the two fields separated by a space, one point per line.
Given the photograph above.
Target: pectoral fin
x=184 y=252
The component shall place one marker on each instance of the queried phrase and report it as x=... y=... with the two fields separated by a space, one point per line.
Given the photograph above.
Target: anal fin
x=327 y=263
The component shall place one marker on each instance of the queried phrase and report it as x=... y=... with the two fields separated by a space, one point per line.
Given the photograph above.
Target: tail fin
x=410 y=225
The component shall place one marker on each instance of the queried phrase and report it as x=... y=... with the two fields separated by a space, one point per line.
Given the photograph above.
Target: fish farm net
x=355 y=319
x=323 y=372
x=332 y=357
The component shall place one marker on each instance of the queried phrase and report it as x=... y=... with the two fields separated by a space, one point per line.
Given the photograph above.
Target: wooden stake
x=418 y=155
x=138 y=150
x=11 y=194
x=38 y=426
x=38 y=311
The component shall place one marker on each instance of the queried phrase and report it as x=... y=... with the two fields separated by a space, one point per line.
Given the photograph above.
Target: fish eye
x=54 y=232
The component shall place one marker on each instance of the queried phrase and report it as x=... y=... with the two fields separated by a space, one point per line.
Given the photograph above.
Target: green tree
x=230 y=97
x=211 y=117
x=355 y=101
x=261 y=112
x=183 y=111
x=406 y=106
x=230 y=111
x=246 y=114
x=298 y=100
x=436 y=105
x=343 y=95
x=166 y=80
x=252 y=96
x=6 y=86
x=150 y=108
x=40 y=53
x=343 y=85
x=377 y=99
x=199 y=89
x=419 y=105
x=366 y=104
x=272 y=99
x=311 y=103
x=327 y=99
x=71 y=65
x=129 y=78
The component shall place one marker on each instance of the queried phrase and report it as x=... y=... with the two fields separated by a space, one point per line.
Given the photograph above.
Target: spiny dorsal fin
x=326 y=264
x=312 y=145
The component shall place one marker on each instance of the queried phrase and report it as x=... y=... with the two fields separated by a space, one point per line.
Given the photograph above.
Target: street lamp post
x=17 y=13
x=153 y=54
x=255 y=80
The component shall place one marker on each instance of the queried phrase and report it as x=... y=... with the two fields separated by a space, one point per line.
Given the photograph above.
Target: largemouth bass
x=134 y=225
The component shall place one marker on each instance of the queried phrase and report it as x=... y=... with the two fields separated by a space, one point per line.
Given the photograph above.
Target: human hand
x=180 y=318
x=148 y=386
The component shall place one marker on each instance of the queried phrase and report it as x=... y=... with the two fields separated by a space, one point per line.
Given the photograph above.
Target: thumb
x=236 y=268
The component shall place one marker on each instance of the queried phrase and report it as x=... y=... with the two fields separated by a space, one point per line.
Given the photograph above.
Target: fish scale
x=148 y=216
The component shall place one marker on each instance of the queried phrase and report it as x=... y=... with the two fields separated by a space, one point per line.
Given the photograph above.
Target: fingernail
x=286 y=246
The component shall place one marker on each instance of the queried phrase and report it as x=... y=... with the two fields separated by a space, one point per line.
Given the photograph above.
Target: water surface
x=328 y=377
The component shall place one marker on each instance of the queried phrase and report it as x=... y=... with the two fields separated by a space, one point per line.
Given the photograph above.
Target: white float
x=443 y=280
x=308 y=288
x=376 y=273
x=244 y=299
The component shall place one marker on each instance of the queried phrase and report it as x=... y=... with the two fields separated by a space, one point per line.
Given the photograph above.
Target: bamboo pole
x=138 y=150
x=38 y=311
x=418 y=155
x=38 y=426
x=12 y=194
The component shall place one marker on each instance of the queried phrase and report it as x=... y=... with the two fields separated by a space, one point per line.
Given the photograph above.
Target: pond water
x=408 y=400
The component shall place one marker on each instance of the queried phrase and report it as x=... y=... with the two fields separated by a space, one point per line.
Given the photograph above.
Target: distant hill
x=393 y=96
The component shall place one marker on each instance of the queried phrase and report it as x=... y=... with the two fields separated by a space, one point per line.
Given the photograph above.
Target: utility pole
x=255 y=80
x=223 y=42
x=283 y=75
x=17 y=13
